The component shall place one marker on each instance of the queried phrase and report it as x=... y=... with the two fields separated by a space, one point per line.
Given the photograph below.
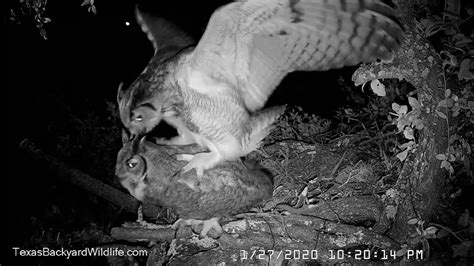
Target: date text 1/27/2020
x=340 y=254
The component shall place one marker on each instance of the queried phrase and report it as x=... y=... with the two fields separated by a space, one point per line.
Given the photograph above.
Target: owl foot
x=181 y=139
x=212 y=223
x=161 y=141
x=200 y=161
x=207 y=226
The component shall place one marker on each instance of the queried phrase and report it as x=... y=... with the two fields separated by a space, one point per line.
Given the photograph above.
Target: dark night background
x=77 y=70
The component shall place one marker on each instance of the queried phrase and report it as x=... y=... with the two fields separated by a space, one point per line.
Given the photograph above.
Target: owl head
x=131 y=169
x=143 y=166
x=139 y=106
x=143 y=104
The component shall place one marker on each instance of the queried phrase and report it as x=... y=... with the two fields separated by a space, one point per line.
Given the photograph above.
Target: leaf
x=441 y=157
x=432 y=27
x=448 y=59
x=403 y=109
x=462 y=41
x=471 y=105
x=395 y=107
x=449 y=102
x=453 y=6
x=403 y=121
x=447 y=165
x=86 y=2
x=418 y=123
x=391 y=211
x=462 y=250
x=412 y=221
x=453 y=138
x=464 y=70
x=378 y=88
x=401 y=252
x=408 y=133
x=415 y=240
x=451 y=158
x=444 y=164
x=402 y=155
x=431 y=230
x=443 y=103
x=450 y=168
x=441 y=114
x=463 y=220
x=447 y=93
x=406 y=145
x=414 y=103
x=442 y=233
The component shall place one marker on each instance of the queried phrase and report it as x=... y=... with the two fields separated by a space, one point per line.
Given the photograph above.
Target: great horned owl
x=152 y=174
x=212 y=93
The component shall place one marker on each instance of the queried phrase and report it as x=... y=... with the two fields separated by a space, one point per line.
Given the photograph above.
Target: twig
x=448 y=230
x=338 y=164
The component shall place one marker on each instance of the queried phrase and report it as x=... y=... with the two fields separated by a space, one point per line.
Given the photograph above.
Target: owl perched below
x=152 y=174
x=212 y=93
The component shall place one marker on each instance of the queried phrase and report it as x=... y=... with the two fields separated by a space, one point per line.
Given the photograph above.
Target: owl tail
x=260 y=125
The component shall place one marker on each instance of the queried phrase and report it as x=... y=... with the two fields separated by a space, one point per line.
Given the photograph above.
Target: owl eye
x=138 y=118
x=132 y=163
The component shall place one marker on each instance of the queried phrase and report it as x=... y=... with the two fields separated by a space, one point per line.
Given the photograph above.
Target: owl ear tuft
x=125 y=136
x=142 y=140
x=120 y=92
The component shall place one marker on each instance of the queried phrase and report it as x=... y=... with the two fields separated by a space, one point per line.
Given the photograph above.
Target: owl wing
x=253 y=44
x=164 y=35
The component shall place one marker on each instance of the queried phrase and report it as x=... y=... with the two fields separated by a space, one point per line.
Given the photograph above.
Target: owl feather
x=213 y=93
x=151 y=174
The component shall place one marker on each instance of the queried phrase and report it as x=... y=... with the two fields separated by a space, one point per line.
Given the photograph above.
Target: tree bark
x=421 y=180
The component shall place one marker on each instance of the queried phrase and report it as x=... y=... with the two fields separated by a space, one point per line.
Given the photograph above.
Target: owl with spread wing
x=213 y=93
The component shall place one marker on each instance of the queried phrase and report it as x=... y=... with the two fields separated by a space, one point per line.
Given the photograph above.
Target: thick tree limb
x=421 y=181
x=317 y=227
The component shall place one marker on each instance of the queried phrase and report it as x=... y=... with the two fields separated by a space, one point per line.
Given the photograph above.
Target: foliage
x=297 y=125
x=90 y=6
x=34 y=12
x=457 y=107
x=96 y=136
x=31 y=11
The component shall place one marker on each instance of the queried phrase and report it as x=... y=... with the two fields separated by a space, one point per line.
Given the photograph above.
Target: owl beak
x=132 y=136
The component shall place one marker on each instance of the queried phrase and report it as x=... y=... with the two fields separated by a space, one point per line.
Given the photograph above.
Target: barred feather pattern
x=216 y=118
x=246 y=50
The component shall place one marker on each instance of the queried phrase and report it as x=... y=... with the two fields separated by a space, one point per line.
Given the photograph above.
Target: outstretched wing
x=253 y=44
x=163 y=34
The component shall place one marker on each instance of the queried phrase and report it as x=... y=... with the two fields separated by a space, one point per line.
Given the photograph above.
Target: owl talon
x=184 y=157
x=207 y=225
x=212 y=223
x=200 y=161
x=177 y=224
x=161 y=141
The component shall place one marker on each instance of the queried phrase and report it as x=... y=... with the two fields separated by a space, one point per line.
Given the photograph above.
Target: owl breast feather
x=221 y=192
